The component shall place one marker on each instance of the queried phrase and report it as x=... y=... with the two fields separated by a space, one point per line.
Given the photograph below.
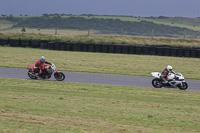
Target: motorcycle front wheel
x=156 y=83
x=59 y=76
x=184 y=86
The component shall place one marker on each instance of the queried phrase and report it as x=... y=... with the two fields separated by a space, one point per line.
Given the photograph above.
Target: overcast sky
x=143 y=8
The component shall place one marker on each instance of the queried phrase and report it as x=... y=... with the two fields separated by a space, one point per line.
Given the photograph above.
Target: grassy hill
x=190 y=23
x=118 y=25
x=11 y=26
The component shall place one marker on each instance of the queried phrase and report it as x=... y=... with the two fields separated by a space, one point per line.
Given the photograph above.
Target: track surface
x=94 y=78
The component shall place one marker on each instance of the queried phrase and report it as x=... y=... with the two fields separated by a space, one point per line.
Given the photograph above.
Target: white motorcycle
x=175 y=80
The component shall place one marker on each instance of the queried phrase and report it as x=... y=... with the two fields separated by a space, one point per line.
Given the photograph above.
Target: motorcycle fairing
x=31 y=67
x=156 y=74
x=57 y=72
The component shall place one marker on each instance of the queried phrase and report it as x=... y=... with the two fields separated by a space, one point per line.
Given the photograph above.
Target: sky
x=143 y=8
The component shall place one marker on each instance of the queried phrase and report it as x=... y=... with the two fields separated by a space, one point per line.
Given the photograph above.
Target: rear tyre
x=32 y=75
x=59 y=76
x=156 y=83
x=184 y=86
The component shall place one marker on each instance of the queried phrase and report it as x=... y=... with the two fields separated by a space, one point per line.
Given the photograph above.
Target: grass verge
x=82 y=36
x=50 y=106
x=123 y=64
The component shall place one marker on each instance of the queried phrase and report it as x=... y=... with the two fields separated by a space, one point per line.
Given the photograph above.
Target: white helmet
x=169 y=68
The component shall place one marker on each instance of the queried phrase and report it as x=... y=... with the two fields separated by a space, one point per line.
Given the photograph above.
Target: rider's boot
x=165 y=82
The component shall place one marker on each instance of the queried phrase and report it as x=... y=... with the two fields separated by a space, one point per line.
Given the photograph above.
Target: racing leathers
x=40 y=66
x=164 y=75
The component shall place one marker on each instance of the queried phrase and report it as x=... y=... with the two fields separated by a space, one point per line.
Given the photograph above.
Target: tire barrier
x=187 y=52
x=125 y=49
x=174 y=51
x=193 y=53
x=198 y=53
x=3 y=42
x=68 y=46
x=51 y=45
x=139 y=50
x=116 y=49
x=25 y=43
x=160 y=50
x=78 y=47
x=132 y=49
x=44 y=44
x=63 y=46
x=166 y=51
x=105 y=48
x=113 y=49
x=145 y=50
x=82 y=47
x=91 y=48
x=98 y=48
x=14 y=43
x=180 y=52
x=57 y=46
x=35 y=43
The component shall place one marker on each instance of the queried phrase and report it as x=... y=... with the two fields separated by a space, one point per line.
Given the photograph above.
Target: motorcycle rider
x=165 y=73
x=39 y=65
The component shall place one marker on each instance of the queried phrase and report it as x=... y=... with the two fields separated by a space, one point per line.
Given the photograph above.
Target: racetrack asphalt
x=95 y=78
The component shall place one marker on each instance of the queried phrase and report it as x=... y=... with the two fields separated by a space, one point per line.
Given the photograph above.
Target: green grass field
x=124 y=64
x=50 y=106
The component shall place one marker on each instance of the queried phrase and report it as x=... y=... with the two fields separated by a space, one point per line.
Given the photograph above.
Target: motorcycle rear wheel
x=59 y=76
x=30 y=74
x=184 y=86
x=156 y=83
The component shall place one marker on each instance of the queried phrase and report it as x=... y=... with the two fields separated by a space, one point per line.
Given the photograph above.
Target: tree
x=23 y=30
x=45 y=15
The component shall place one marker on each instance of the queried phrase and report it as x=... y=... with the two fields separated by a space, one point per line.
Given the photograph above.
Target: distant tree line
x=10 y=18
x=104 y=26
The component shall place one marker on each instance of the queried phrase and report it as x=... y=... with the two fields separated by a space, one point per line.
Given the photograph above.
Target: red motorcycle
x=47 y=72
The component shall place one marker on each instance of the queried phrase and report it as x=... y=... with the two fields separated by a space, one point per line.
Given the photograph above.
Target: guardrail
x=160 y=50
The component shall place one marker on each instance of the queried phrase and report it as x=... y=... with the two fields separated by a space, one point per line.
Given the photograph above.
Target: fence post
x=88 y=30
x=56 y=31
x=88 y=25
x=152 y=35
x=184 y=33
x=122 y=30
